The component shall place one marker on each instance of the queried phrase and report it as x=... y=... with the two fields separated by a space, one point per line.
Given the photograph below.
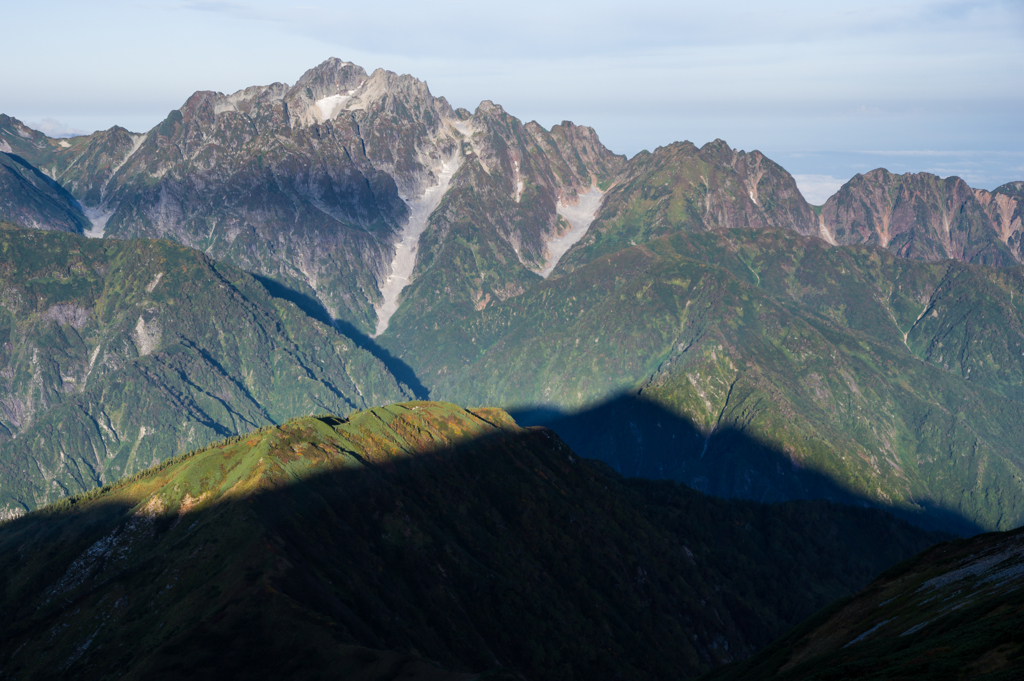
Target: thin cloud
x=51 y=127
x=937 y=152
x=539 y=27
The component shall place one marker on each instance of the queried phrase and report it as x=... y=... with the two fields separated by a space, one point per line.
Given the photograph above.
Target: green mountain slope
x=895 y=381
x=954 y=611
x=117 y=354
x=682 y=188
x=425 y=530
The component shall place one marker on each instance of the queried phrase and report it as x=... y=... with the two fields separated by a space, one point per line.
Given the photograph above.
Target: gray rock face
x=308 y=184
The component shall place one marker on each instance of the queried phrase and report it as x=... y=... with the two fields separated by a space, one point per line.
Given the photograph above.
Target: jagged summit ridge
x=317 y=95
x=926 y=217
x=314 y=184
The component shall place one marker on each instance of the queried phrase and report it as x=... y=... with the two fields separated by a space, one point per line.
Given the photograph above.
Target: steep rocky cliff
x=312 y=185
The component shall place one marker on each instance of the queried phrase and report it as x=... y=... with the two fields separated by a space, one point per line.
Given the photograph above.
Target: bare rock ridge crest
x=310 y=185
x=341 y=159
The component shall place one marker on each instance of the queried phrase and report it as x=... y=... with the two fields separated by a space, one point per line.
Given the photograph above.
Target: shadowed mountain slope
x=954 y=611
x=640 y=436
x=29 y=198
x=422 y=529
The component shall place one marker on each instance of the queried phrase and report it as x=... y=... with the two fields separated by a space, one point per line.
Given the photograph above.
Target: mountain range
x=487 y=261
x=351 y=241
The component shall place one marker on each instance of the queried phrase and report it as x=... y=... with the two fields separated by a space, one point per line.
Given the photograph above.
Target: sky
x=825 y=89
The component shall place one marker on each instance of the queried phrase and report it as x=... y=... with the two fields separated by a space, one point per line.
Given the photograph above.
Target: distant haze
x=817 y=188
x=824 y=89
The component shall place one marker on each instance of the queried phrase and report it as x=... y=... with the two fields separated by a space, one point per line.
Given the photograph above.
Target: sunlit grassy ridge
x=448 y=535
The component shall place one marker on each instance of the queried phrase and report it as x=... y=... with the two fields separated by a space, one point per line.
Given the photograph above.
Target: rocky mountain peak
x=389 y=87
x=582 y=142
x=244 y=100
x=322 y=92
x=199 y=108
x=331 y=77
x=487 y=107
x=926 y=217
x=335 y=86
x=718 y=151
x=11 y=124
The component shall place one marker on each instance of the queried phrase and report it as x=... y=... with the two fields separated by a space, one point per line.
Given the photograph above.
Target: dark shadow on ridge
x=57 y=197
x=314 y=309
x=48 y=181
x=503 y=552
x=640 y=438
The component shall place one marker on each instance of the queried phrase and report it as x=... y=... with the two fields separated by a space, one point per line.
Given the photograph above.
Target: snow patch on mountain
x=824 y=232
x=420 y=209
x=98 y=217
x=329 y=107
x=580 y=217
